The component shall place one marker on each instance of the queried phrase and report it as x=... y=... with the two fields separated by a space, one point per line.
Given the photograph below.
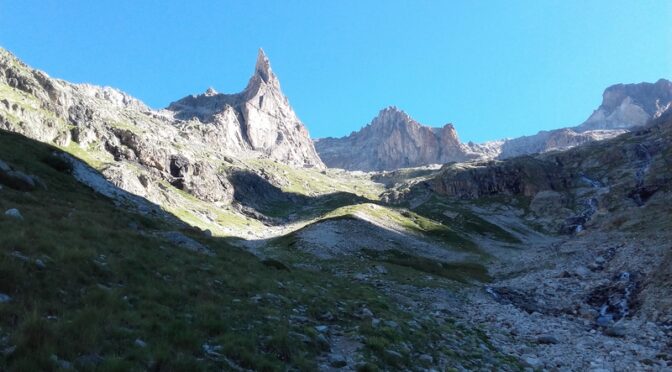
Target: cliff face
x=524 y=176
x=259 y=118
x=626 y=106
x=393 y=140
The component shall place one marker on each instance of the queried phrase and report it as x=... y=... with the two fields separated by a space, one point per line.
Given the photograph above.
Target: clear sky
x=493 y=68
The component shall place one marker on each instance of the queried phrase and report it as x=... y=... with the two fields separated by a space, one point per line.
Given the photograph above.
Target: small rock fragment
x=547 y=340
x=604 y=320
x=337 y=361
x=364 y=313
x=393 y=355
x=14 y=213
x=140 y=343
x=425 y=359
x=8 y=350
x=615 y=331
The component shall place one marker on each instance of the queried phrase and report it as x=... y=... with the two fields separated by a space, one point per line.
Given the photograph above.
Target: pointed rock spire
x=263 y=67
x=259 y=118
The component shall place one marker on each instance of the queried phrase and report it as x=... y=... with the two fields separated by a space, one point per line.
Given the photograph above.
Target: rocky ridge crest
x=397 y=141
x=393 y=140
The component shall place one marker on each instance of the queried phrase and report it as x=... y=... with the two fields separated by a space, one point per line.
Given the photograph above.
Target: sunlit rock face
x=626 y=106
x=259 y=118
x=393 y=140
x=186 y=145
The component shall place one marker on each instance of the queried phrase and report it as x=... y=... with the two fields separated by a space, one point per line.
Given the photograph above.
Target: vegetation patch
x=462 y=272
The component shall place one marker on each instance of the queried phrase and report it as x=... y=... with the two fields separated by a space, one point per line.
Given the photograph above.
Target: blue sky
x=493 y=68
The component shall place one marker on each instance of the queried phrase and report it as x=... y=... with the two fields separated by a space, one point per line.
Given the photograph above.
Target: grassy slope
x=107 y=282
x=314 y=182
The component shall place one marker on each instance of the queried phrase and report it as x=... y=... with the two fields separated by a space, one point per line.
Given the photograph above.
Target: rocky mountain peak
x=258 y=119
x=394 y=111
x=393 y=140
x=630 y=105
x=263 y=67
x=392 y=117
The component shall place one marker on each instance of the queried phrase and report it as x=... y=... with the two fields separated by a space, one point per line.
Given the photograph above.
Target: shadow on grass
x=253 y=191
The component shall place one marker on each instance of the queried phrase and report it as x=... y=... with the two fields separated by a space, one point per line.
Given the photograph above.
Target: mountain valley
x=215 y=234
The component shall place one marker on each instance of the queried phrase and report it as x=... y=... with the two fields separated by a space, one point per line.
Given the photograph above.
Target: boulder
x=615 y=331
x=547 y=340
x=18 y=180
x=14 y=214
x=185 y=242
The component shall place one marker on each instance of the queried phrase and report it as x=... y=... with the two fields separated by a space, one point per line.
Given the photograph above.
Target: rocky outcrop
x=143 y=151
x=259 y=118
x=17 y=180
x=393 y=140
x=523 y=176
x=554 y=140
x=625 y=106
x=626 y=174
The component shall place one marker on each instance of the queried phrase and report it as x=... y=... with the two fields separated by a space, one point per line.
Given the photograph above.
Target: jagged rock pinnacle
x=259 y=119
x=263 y=66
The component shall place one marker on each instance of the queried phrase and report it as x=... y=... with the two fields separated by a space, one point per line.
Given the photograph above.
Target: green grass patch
x=462 y=272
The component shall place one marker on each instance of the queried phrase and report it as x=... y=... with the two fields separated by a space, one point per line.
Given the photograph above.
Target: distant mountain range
x=394 y=140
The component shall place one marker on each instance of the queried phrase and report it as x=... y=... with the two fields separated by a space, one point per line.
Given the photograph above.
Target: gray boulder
x=185 y=242
x=14 y=214
x=18 y=180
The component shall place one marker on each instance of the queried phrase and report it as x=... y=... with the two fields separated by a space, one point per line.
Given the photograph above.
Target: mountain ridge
x=624 y=106
x=393 y=140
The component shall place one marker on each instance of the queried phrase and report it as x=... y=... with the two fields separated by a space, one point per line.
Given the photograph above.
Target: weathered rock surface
x=625 y=106
x=524 y=176
x=393 y=140
x=142 y=150
x=259 y=118
x=554 y=140
x=624 y=171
